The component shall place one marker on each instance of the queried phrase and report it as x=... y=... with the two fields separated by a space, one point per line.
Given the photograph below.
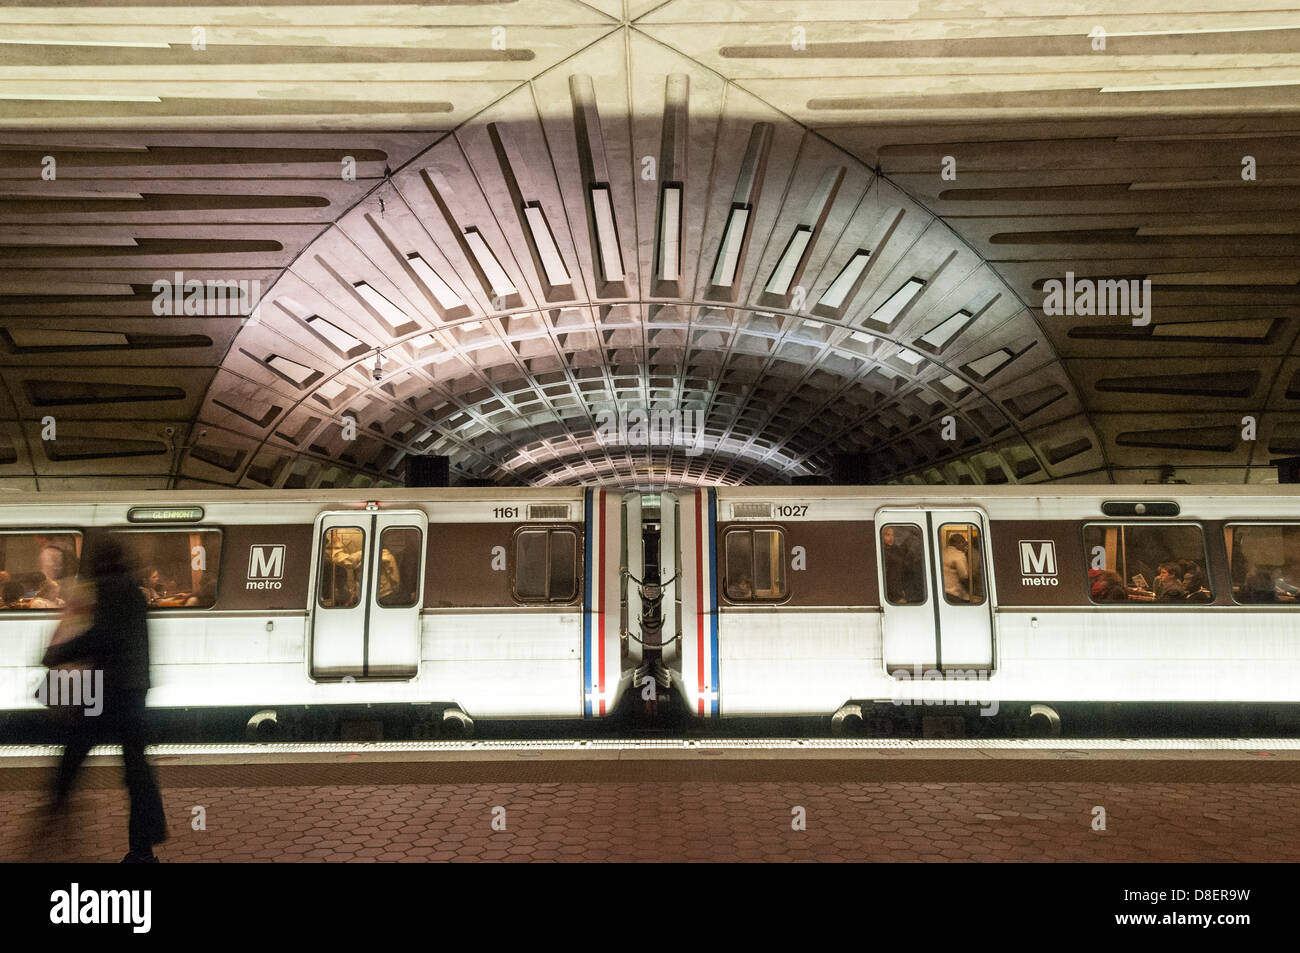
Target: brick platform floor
x=941 y=810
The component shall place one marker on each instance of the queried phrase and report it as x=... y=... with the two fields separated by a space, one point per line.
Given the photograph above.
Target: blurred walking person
x=116 y=644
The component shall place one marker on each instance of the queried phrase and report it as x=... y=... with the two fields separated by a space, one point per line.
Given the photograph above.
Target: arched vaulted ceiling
x=732 y=211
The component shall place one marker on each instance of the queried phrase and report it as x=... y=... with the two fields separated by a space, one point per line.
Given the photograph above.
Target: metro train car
x=303 y=612
x=284 y=606
x=1006 y=601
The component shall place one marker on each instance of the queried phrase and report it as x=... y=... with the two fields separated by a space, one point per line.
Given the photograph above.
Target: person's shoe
x=139 y=857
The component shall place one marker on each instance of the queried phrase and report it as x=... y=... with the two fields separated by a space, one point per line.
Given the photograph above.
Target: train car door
x=368 y=587
x=936 y=592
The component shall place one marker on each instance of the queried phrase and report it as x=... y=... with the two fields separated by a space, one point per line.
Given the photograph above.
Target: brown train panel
x=841 y=562
x=241 y=585
x=1068 y=585
x=458 y=568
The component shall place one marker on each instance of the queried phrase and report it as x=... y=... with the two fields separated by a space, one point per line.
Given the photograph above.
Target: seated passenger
x=1169 y=584
x=1196 y=586
x=206 y=594
x=47 y=596
x=11 y=594
x=740 y=590
x=150 y=584
x=1107 y=587
x=1258 y=587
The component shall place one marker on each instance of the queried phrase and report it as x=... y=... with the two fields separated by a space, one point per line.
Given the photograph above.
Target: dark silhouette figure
x=117 y=644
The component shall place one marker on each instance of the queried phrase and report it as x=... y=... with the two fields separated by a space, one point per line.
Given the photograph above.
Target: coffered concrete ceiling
x=730 y=210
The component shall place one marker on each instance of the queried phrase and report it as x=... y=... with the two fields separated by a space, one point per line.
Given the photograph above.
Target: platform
x=1197 y=800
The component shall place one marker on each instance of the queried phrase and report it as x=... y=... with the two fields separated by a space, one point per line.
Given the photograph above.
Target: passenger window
x=546 y=565
x=178 y=568
x=1264 y=563
x=963 y=564
x=399 y=566
x=1142 y=563
x=343 y=551
x=755 y=565
x=902 y=556
x=38 y=570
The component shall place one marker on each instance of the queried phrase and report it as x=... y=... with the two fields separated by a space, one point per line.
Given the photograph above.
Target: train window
x=963 y=564
x=1264 y=563
x=1143 y=563
x=37 y=570
x=546 y=565
x=178 y=568
x=903 y=559
x=399 y=566
x=343 y=549
x=755 y=565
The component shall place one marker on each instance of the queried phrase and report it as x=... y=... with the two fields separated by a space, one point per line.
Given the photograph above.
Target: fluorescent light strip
x=724 y=272
x=611 y=255
x=333 y=333
x=124 y=44
x=79 y=98
x=986 y=365
x=447 y=299
x=834 y=296
x=498 y=280
x=1179 y=87
x=56 y=337
x=556 y=274
x=888 y=312
x=783 y=274
x=330 y=389
x=670 y=234
x=395 y=315
x=298 y=373
x=939 y=335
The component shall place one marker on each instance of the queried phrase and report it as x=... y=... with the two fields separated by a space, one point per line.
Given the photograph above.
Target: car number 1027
x=792 y=510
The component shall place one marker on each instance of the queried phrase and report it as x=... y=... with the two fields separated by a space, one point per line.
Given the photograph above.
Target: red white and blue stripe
x=601 y=602
x=699 y=544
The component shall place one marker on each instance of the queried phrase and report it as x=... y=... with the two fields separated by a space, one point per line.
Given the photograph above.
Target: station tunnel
x=647 y=245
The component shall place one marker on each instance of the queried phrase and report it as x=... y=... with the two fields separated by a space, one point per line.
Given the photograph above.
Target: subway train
x=310 y=614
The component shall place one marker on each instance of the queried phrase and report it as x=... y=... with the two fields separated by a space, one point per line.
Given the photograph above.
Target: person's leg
x=148 y=824
x=79 y=739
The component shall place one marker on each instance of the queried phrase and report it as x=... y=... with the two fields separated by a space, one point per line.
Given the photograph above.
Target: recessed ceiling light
x=724 y=271
x=391 y=312
x=943 y=332
x=79 y=98
x=125 y=44
x=670 y=225
x=447 y=299
x=833 y=297
x=334 y=334
x=611 y=254
x=556 y=274
x=783 y=274
x=497 y=278
x=896 y=303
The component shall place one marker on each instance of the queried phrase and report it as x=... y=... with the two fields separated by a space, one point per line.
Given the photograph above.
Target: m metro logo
x=1038 y=562
x=265 y=566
